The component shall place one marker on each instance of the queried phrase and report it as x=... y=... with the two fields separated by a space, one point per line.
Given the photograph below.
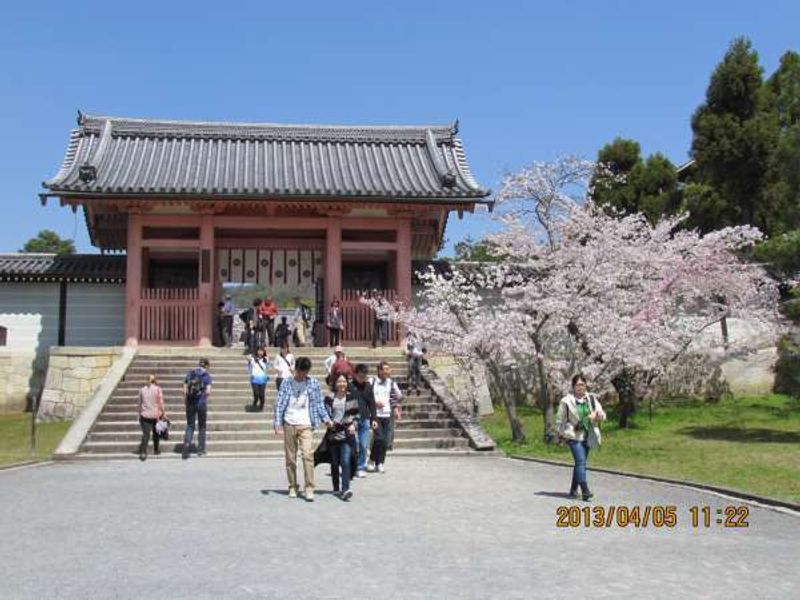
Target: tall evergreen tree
x=733 y=140
x=627 y=183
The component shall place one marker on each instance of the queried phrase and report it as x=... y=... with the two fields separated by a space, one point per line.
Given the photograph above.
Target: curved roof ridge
x=188 y=128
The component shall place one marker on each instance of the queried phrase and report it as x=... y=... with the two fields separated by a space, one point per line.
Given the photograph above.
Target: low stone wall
x=73 y=374
x=460 y=387
x=21 y=376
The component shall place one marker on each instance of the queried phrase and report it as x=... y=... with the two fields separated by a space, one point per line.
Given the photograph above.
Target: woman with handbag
x=341 y=437
x=258 y=366
x=579 y=414
x=151 y=409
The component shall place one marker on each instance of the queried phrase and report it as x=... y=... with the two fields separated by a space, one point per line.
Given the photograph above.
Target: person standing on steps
x=361 y=390
x=298 y=410
x=258 y=366
x=196 y=390
x=577 y=419
x=268 y=310
x=284 y=365
x=344 y=412
x=387 y=406
x=380 y=327
x=256 y=327
x=151 y=409
x=335 y=323
x=282 y=333
x=302 y=320
x=415 y=353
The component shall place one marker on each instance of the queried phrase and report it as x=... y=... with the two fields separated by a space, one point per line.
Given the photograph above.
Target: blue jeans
x=580 y=452
x=341 y=455
x=195 y=411
x=363 y=443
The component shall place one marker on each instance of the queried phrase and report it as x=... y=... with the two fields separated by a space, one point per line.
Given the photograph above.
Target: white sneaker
x=370 y=467
x=381 y=469
x=361 y=474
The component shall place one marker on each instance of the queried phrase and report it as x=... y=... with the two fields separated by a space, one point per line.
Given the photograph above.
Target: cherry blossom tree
x=579 y=289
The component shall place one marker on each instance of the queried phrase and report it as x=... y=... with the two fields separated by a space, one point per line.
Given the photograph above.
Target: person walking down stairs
x=196 y=389
x=151 y=409
x=258 y=366
x=387 y=406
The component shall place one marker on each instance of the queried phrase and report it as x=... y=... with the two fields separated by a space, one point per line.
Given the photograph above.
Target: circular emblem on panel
x=224 y=272
x=292 y=262
x=306 y=273
x=251 y=273
x=318 y=261
x=264 y=262
x=278 y=273
x=236 y=262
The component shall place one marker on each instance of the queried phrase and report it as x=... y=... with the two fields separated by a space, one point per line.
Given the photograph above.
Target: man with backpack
x=196 y=389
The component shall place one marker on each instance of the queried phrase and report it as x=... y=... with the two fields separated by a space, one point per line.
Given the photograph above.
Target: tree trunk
x=545 y=403
x=517 y=430
x=624 y=385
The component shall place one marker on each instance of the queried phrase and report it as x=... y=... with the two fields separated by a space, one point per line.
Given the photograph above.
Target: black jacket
x=366 y=400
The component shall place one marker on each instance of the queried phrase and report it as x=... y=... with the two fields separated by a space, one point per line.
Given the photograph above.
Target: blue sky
x=528 y=80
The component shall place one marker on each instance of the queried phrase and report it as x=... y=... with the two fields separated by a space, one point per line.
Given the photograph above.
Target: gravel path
x=457 y=527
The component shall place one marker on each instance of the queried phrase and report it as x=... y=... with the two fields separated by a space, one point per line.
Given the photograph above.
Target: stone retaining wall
x=73 y=374
x=21 y=376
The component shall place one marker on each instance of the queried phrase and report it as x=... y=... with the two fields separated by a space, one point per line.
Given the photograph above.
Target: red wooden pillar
x=402 y=267
x=206 y=281
x=133 y=279
x=333 y=262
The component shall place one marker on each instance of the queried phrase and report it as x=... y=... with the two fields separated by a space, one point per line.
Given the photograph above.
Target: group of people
x=263 y=327
x=356 y=408
x=380 y=322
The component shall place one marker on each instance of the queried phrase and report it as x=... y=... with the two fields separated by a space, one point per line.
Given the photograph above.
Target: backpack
x=195 y=386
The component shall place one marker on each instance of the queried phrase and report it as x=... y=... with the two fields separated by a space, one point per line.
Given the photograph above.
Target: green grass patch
x=15 y=438
x=750 y=444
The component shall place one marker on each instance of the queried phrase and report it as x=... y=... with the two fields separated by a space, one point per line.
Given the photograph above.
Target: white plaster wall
x=30 y=313
x=95 y=314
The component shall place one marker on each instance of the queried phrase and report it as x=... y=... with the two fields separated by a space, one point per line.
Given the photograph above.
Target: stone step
x=264 y=445
x=259 y=425
x=265 y=433
x=240 y=401
x=235 y=415
x=275 y=456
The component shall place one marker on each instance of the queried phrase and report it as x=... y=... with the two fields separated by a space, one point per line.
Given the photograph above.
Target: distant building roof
x=34 y=267
x=134 y=157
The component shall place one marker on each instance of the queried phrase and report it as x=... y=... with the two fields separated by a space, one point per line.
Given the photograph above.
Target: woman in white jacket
x=577 y=419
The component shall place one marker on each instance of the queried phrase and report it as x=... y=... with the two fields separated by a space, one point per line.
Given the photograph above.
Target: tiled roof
x=116 y=156
x=96 y=268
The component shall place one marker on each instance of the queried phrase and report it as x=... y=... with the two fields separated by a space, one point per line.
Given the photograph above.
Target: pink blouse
x=151 y=402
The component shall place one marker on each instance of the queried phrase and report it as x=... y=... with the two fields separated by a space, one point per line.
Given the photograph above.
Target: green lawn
x=750 y=444
x=15 y=436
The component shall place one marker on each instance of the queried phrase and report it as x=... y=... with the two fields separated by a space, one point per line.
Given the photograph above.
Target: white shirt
x=383 y=391
x=329 y=363
x=284 y=365
x=297 y=411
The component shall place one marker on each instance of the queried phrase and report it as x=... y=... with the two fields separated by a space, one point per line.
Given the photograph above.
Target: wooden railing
x=359 y=318
x=169 y=315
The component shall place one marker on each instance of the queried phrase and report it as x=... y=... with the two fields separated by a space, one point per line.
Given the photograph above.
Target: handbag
x=162 y=428
x=593 y=437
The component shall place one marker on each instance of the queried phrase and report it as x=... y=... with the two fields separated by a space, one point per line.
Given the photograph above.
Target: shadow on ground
x=746 y=435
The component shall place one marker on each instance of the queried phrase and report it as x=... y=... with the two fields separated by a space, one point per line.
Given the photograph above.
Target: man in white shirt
x=387 y=404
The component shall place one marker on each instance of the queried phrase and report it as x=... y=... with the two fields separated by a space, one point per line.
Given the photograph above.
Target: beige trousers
x=302 y=436
x=300 y=327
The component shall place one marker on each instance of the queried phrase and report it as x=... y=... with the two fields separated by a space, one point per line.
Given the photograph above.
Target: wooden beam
x=167 y=244
x=369 y=245
x=271 y=243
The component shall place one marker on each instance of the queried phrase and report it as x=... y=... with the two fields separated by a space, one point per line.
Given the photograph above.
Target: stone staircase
x=233 y=430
